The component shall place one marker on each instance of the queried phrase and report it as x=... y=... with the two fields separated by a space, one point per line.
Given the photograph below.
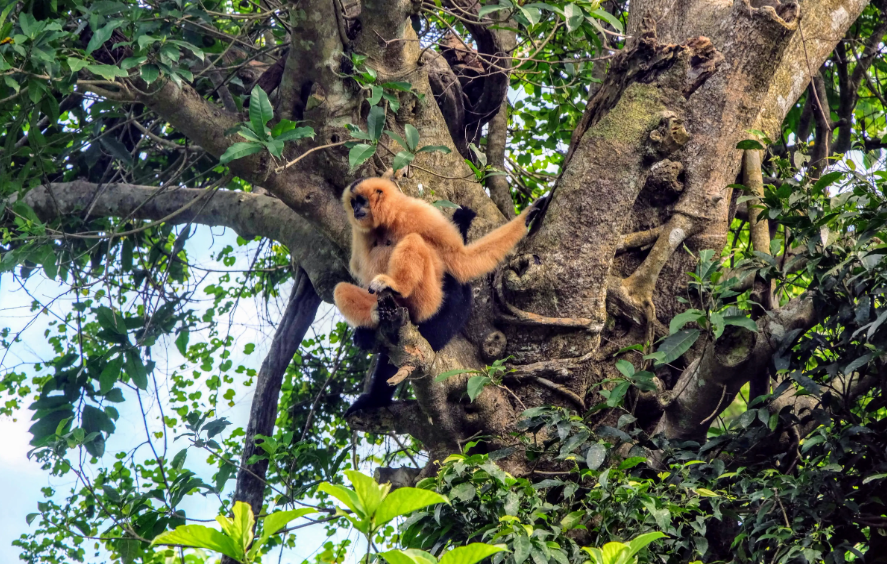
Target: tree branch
x=247 y=214
x=729 y=363
x=297 y=318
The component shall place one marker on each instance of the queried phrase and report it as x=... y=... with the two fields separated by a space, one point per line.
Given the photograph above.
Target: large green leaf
x=368 y=491
x=638 y=543
x=476 y=384
x=474 y=552
x=376 y=122
x=276 y=521
x=238 y=151
x=409 y=556
x=681 y=319
x=674 y=346
x=198 y=536
x=359 y=154
x=402 y=159
x=412 y=137
x=403 y=501
x=346 y=496
x=260 y=110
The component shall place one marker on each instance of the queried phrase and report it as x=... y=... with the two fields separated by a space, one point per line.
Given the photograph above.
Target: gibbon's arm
x=467 y=262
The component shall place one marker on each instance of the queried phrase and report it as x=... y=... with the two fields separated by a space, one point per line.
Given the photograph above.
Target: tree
x=672 y=139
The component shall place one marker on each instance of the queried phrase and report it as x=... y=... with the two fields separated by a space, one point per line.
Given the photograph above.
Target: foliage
x=237 y=537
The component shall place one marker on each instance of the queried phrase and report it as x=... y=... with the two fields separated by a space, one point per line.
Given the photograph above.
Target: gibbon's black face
x=361 y=198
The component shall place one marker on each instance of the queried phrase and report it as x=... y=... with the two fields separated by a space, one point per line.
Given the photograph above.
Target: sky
x=26 y=477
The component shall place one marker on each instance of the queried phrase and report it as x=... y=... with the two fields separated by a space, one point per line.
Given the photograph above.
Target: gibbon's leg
x=359 y=307
x=412 y=274
x=482 y=256
x=380 y=393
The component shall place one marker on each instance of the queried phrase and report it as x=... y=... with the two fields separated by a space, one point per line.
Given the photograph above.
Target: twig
x=280 y=169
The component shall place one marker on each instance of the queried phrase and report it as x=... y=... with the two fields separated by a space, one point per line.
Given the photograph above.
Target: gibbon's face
x=363 y=200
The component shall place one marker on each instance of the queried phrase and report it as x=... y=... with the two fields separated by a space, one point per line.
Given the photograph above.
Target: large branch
x=824 y=24
x=250 y=215
x=297 y=318
x=206 y=124
x=709 y=384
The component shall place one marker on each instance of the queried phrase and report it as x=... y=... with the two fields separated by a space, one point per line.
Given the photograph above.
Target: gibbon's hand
x=536 y=211
x=381 y=282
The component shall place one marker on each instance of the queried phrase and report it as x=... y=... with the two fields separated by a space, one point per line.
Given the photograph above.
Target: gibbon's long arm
x=467 y=262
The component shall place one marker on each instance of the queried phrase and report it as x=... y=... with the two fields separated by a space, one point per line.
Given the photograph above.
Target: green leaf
x=101 y=36
x=683 y=318
x=402 y=86
x=717 y=324
x=404 y=501
x=638 y=543
x=408 y=556
x=827 y=180
x=131 y=62
x=412 y=137
x=241 y=528
x=375 y=95
x=376 y=122
x=625 y=367
x=346 y=496
x=431 y=148
x=116 y=148
x=198 y=536
x=749 y=144
x=94 y=419
x=295 y=134
x=238 y=151
x=522 y=547
x=149 y=73
x=108 y=72
x=489 y=9
x=359 y=154
x=574 y=16
x=676 y=345
x=476 y=385
x=182 y=341
x=595 y=456
x=76 y=64
x=136 y=370
x=609 y=18
x=444 y=204
x=741 y=321
x=449 y=373
x=276 y=521
x=178 y=461
x=402 y=159
x=368 y=491
x=471 y=554
x=260 y=110
x=397 y=138
x=532 y=14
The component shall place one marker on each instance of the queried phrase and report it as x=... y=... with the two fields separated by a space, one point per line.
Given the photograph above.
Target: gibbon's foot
x=382 y=282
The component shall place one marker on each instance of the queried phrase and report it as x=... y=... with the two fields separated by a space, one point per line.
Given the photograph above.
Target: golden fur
x=407 y=245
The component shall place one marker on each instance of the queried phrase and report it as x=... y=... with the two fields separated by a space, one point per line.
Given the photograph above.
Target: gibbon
x=438 y=330
x=406 y=245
